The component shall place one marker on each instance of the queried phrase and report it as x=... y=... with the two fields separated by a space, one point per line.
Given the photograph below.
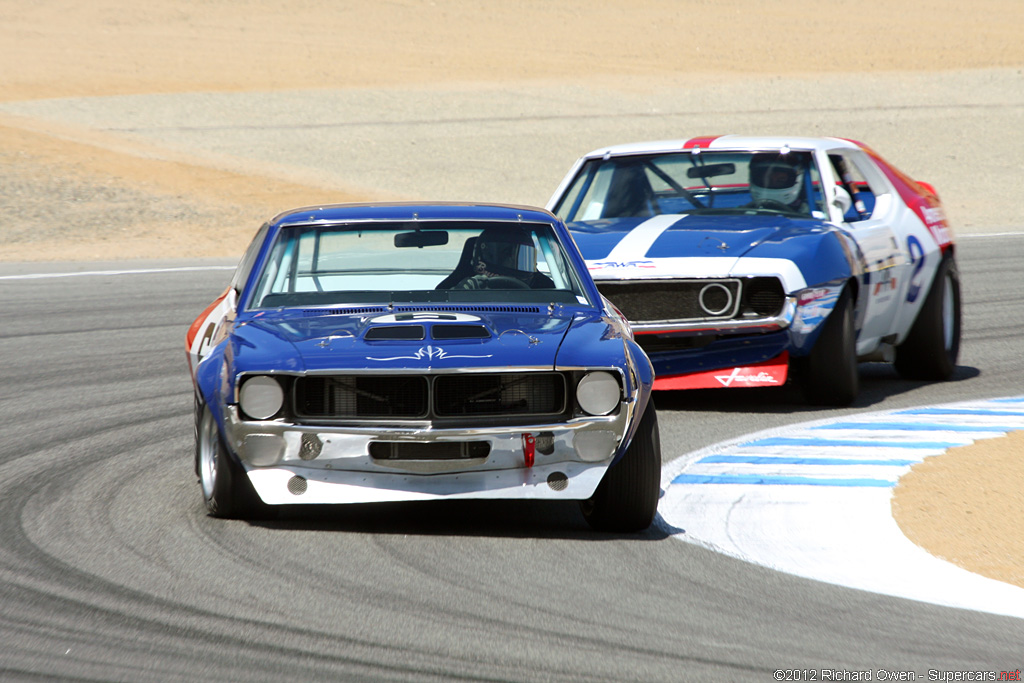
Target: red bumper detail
x=529 y=449
x=769 y=373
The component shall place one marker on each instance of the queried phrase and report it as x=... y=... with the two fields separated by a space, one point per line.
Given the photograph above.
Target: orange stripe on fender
x=769 y=373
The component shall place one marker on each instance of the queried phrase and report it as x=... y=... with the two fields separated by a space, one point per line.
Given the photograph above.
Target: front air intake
x=764 y=296
x=361 y=396
x=437 y=450
x=450 y=331
x=511 y=395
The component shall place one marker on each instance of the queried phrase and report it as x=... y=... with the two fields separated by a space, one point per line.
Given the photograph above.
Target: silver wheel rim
x=207 y=454
x=948 y=315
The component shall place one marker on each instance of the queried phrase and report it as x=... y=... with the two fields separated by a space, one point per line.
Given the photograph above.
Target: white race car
x=741 y=260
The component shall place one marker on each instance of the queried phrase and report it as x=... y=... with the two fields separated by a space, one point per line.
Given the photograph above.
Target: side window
x=586 y=198
x=854 y=182
x=817 y=202
x=249 y=259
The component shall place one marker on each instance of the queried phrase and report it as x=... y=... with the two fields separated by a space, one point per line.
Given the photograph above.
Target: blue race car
x=400 y=352
x=738 y=259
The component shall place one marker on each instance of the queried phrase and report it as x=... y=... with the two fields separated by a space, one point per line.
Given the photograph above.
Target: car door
x=869 y=219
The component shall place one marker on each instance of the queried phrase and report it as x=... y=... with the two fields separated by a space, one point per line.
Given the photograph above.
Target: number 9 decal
x=917 y=259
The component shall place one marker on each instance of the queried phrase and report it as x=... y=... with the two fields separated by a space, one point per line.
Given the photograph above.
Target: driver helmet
x=775 y=177
x=503 y=251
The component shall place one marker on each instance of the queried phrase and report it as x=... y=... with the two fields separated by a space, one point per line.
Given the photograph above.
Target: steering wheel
x=505 y=282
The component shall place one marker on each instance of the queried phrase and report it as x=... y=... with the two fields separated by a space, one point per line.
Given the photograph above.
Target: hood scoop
x=442 y=331
x=396 y=333
x=459 y=331
x=413 y=308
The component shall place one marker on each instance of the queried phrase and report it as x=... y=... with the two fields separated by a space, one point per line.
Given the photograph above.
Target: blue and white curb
x=814 y=500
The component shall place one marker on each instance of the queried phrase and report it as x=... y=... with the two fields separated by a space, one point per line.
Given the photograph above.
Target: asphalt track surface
x=110 y=570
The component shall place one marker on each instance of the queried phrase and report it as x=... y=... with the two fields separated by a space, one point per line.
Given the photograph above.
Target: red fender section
x=769 y=373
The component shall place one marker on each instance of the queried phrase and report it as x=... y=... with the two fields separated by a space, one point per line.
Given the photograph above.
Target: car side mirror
x=842 y=200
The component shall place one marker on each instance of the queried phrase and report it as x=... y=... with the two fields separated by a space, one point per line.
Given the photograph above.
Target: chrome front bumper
x=327 y=464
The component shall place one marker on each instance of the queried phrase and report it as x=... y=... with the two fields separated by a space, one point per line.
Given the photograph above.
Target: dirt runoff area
x=74 y=195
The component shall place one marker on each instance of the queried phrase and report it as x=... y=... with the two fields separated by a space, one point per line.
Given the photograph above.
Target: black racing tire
x=829 y=374
x=626 y=500
x=225 y=487
x=931 y=349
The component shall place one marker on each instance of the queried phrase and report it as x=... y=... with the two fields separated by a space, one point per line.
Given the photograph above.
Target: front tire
x=225 y=487
x=626 y=500
x=933 y=345
x=829 y=375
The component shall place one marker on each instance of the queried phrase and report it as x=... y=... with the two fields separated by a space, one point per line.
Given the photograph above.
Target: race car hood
x=417 y=340
x=631 y=240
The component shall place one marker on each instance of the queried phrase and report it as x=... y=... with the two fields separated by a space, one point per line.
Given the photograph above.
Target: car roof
x=411 y=211
x=725 y=142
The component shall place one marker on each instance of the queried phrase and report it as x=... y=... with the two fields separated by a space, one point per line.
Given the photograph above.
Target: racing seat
x=463 y=269
x=630 y=193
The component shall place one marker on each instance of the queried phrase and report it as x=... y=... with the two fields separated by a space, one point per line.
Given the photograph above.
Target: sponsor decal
x=769 y=373
x=886 y=283
x=809 y=296
x=600 y=265
x=917 y=259
x=428 y=353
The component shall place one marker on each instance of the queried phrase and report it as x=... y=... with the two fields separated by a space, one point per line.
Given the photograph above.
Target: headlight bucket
x=598 y=393
x=261 y=397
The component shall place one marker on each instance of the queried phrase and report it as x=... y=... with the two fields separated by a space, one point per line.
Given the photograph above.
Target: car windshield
x=427 y=261
x=781 y=182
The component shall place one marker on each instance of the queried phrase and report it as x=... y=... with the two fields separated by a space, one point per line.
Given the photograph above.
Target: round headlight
x=261 y=397
x=598 y=393
x=715 y=299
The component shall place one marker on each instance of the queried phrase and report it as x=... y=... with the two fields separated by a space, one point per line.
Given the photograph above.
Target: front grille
x=462 y=395
x=647 y=301
x=764 y=296
x=362 y=396
x=499 y=394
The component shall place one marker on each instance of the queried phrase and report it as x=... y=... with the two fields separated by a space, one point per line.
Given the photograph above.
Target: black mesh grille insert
x=536 y=393
x=437 y=450
x=645 y=301
x=363 y=396
x=500 y=394
x=764 y=296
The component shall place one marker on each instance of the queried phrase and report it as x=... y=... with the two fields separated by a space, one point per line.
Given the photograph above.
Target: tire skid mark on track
x=814 y=500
